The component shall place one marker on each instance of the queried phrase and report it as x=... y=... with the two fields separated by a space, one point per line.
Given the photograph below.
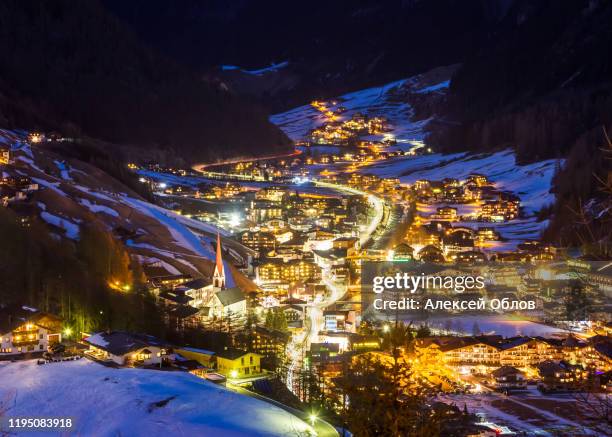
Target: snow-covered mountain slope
x=73 y=194
x=390 y=100
x=531 y=182
x=104 y=401
x=380 y=101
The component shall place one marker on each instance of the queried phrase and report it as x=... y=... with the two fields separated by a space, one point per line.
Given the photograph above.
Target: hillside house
x=26 y=330
x=237 y=363
x=126 y=348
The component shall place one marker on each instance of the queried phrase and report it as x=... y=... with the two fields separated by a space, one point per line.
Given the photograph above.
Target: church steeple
x=219 y=274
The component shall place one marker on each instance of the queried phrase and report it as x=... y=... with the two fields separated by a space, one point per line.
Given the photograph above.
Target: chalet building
x=459 y=241
x=264 y=210
x=264 y=341
x=478 y=354
x=445 y=213
x=561 y=375
x=320 y=239
x=524 y=352
x=237 y=363
x=471 y=257
x=295 y=270
x=477 y=179
x=403 y=252
x=339 y=320
x=321 y=352
x=126 y=348
x=499 y=210
x=260 y=241
x=326 y=259
x=487 y=234
x=431 y=253
x=509 y=378
x=198 y=291
x=5 y=155
x=272 y=194
x=26 y=330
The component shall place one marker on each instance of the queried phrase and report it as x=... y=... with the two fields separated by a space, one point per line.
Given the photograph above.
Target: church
x=213 y=297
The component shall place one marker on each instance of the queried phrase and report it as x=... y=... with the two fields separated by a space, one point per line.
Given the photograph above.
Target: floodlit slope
x=131 y=402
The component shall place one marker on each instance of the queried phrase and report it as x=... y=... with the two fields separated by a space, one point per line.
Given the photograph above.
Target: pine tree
x=476 y=329
x=423 y=331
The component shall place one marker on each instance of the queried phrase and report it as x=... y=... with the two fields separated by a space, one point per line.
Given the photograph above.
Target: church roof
x=229 y=296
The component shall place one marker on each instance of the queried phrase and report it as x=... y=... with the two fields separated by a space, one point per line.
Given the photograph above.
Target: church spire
x=219 y=274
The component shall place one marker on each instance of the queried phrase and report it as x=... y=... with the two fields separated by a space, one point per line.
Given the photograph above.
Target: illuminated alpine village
x=150 y=288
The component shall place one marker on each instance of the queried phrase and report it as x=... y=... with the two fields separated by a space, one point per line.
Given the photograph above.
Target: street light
x=313 y=417
x=234 y=374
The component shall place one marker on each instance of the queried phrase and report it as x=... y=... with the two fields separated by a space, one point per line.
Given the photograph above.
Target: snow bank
x=108 y=402
x=436 y=87
x=63 y=170
x=95 y=208
x=71 y=229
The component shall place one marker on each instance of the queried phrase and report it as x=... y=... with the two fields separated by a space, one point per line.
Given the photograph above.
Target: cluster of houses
x=29 y=333
x=556 y=363
x=493 y=205
x=15 y=189
x=298 y=236
x=345 y=132
x=339 y=131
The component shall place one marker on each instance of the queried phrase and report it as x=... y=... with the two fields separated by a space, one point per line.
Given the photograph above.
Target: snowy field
x=132 y=402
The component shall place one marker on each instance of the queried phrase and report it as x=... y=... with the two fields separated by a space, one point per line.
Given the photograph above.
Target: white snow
x=97 y=340
x=95 y=208
x=259 y=72
x=71 y=229
x=95 y=193
x=51 y=185
x=29 y=161
x=169 y=267
x=531 y=182
x=109 y=402
x=178 y=227
x=63 y=170
x=436 y=87
x=376 y=101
